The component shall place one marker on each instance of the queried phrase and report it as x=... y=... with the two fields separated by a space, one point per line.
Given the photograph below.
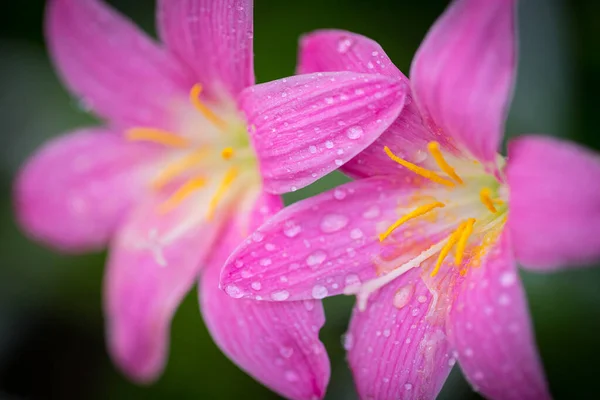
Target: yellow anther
x=432 y=176
x=182 y=193
x=227 y=153
x=434 y=149
x=462 y=241
x=485 y=195
x=156 y=136
x=204 y=110
x=229 y=177
x=177 y=167
x=422 y=210
x=447 y=247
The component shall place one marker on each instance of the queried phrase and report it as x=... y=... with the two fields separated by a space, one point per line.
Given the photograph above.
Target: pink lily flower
x=174 y=180
x=429 y=235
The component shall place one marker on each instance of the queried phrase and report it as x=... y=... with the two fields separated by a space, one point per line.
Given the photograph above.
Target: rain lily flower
x=175 y=180
x=429 y=235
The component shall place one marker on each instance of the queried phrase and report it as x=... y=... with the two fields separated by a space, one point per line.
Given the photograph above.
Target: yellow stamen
x=432 y=176
x=447 y=247
x=434 y=149
x=204 y=110
x=230 y=175
x=422 y=210
x=157 y=136
x=462 y=241
x=227 y=153
x=485 y=195
x=182 y=193
x=174 y=169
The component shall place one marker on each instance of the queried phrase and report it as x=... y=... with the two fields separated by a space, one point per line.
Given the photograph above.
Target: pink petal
x=398 y=349
x=119 y=72
x=321 y=246
x=74 y=192
x=464 y=71
x=153 y=263
x=277 y=344
x=214 y=38
x=554 y=202
x=306 y=126
x=490 y=328
x=336 y=50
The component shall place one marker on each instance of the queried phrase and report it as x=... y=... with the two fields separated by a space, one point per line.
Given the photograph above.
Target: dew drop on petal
x=344 y=44
x=258 y=236
x=319 y=292
x=291 y=376
x=280 y=295
x=339 y=162
x=233 y=291
x=291 y=230
x=422 y=299
x=286 y=352
x=312 y=149
x=403 y=296
x=265 y=262
x=333 y=223
x=348 y=341
x=356 y=233
x=256 y=285
x=507 y=279
x=329 y=144
x=339 y=194
x=372 y=212
x=316 y=258
x=354 y=132
x=408 y=386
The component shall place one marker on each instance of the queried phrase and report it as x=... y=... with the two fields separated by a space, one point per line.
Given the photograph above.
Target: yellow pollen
x=227 y=153
x=157 y=136
x=434 y=149
x=485 y=195
x=182 y=193
x=204 y=110
x=447 y=247
x=422 y=210
x=425 y=173
x=229 y=177
x=462 y=241
x=177 y=167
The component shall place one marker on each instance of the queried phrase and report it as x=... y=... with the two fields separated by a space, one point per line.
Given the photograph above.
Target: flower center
x=186 y=167
x=467 y=213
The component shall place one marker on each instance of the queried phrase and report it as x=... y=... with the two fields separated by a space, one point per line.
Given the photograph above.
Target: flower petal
x=554 y=202
x=337 y=50
x=74 y=192
x=489 y=327
x=306 y=126
x=214 y=38
x=277 y=344
x=398 y=350
x=119 y=72
x=153 y=263
x=463 y=73
x=324 y=245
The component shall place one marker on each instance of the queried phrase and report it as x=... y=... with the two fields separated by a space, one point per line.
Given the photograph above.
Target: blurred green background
x=51 y=330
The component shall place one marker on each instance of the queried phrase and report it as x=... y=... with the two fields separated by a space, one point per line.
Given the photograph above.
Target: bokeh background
x=51 y=328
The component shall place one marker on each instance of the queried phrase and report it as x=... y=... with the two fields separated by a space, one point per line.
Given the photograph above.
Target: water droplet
x=408 y=386
x=419 y=156
x=422 y=299
x=333 y=223
x=339 y=162
x=451 y=362
x=356 y=233
x=291 y=376
x=312 y=149
x=339 y=194
x=309 y=305
x=283 y=279
x=319 y=292
x=329 y=144
x=316 y=258
x=354 y=132
x=286 y=352
x=344 y=44
x=415 y=312
x=329 y=100
x=508 y=279
x=403 y=296
x=258 y=236
x=280 y=295
x=239 y=263
x=256 y=285
x=371 y=212
x=265 y=262
x=233 y=291
x=269 y=247
x=468 y=352
x=348 y=341
x=504 y=300
x=387 y=332
x=291 y=230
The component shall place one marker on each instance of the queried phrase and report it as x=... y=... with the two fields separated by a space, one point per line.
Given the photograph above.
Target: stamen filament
x=425 y=173
x=446 y=249
x=462 y=241
x=230 y=175
x=157 y=136
x=177 y=167
x=204 y=110
x=419 y=211
x=434 y=149
x=182 y=193
x=486 y=198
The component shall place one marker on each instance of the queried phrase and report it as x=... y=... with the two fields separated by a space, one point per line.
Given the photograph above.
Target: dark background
x=51 y=330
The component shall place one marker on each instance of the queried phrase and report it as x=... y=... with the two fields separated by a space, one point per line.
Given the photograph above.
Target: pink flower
x=429 y=235
x=173 y=182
